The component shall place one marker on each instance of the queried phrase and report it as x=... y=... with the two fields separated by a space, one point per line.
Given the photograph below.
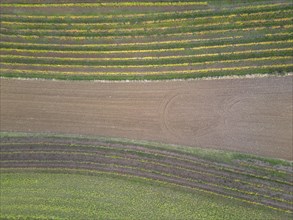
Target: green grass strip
x=272 y=70
x=15 y=44
x=147 y=47
x=262 y=29
x=104 y=4
x=146 y=17
x=274 y=45
x=150 y=31
x=87 y=24
x=181 y=61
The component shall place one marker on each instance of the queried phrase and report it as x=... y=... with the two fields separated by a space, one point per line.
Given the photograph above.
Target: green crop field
x=78 y=196
x=116 y=40
x=76 y=177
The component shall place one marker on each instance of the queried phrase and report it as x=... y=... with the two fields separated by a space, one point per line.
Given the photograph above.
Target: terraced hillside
x=244 y=180
x=144 y=39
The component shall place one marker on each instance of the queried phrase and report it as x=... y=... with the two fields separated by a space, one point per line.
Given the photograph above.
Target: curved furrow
x=181 y=160
x=162 y=165
x=183 y=168
x=142 y=172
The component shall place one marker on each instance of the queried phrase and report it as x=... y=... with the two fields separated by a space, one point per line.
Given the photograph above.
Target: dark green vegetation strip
x=162 y=61
x=213 y=23
x=195 y=75
x=59 y=22
x=140 y=17
x=250 y=179
x=142 y=32
x=155 y=46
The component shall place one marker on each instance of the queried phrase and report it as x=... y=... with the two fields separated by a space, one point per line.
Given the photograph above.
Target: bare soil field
x=246 y=115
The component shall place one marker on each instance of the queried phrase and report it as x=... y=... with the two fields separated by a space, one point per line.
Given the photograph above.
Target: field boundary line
x=147 y=73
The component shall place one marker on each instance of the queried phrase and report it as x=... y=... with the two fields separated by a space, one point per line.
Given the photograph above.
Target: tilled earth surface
x=247 y=115
x=250 y=181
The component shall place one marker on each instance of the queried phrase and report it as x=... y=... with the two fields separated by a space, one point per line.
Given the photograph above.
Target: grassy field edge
x=214 y=74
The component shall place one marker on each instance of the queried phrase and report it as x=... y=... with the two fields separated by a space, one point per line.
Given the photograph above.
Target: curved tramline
x=158 y=35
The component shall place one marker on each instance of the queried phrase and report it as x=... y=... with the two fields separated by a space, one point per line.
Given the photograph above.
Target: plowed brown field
x=246 y=115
